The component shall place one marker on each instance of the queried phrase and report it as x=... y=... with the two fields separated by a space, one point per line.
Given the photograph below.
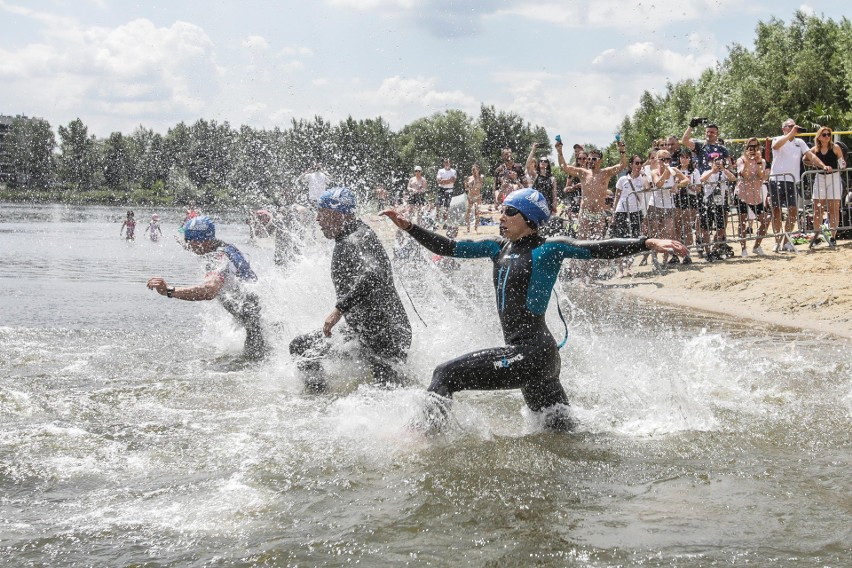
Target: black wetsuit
x=363 y=280
x=524 y=274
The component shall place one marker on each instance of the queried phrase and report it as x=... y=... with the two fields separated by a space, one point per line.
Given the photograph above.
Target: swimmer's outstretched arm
x=440 y=244
x=206 y=291
x=614 y=248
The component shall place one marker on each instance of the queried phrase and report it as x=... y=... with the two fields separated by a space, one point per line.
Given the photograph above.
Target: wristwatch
x=170 y=290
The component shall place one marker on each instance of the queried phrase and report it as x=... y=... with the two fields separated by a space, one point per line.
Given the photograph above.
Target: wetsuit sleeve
x=440 y=244
x=609 y=248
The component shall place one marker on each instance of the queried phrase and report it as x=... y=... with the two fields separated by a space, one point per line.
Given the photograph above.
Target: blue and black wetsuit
x=524 y=274
x=363 y=280
x=229 y=264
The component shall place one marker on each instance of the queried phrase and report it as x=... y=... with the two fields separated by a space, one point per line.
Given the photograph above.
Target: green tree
x=507 y=130
x=255 y=177
x=452 y=133
x=800 y=69
x=78 y=158
x=119 y=163
x=210 y=150
x=30 y=143
x=367 y=156
x=151 y=157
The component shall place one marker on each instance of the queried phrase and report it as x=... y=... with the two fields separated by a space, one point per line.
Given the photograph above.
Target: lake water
x=132 y=435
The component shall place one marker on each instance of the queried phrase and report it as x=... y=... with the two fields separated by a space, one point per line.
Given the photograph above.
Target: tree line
x=216 y=164
x=801 y=69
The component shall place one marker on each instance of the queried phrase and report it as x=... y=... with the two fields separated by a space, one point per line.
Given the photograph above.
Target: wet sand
x=809 y=289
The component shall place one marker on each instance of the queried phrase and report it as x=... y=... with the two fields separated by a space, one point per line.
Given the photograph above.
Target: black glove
x=696 y=121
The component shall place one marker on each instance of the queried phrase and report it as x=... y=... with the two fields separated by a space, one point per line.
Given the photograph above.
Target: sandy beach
x=811 y=289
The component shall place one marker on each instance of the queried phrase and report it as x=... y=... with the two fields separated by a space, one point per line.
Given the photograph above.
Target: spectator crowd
x=779 y=190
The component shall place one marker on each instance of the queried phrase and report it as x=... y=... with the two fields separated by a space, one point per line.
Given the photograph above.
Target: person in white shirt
x=784 y=176
x=446 y=179
x=664 y=180
x=628 y=214
x=317 y=181
x=629 y=207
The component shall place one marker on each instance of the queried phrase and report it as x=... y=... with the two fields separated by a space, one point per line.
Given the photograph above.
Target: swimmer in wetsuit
x=228 y=272
x=525 y=269
x=366 y=297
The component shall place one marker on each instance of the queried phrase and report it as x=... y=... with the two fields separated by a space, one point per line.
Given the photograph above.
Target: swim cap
x=199 y=229
x=155 y=217
x=532 y=204
x=338 y=199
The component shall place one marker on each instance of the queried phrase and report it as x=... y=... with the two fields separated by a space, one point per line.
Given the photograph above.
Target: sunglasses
x=752 y=147
x=510 y=211
x=637 y=163
x=592 y=159
x=825 y=134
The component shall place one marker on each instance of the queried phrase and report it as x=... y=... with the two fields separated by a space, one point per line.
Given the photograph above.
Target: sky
x=576 y=68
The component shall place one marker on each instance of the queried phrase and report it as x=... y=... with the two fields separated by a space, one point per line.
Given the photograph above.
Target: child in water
x=130 y=223
x=154 y=231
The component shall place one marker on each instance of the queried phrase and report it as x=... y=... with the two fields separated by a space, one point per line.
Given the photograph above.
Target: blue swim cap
x=338 y=199
x=532 y=204
x=199 y=229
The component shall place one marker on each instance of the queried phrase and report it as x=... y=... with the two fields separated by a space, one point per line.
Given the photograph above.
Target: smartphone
x=618 y=137
x=559 y=139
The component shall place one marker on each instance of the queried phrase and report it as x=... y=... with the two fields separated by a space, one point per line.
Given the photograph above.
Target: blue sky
x=576 y=68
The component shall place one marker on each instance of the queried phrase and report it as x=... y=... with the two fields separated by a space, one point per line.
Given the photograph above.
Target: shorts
x=416 y=199
x=782 y=194
x=828 y=186
x=628 y=225
x=685 y=200
x=759 y=209
x=572 y=201
x=712 y=217
x=443 y=198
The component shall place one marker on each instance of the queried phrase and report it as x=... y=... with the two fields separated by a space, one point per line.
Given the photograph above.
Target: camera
x=698 y=120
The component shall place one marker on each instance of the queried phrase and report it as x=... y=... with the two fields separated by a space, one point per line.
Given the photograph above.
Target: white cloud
x=645 y=57
x=420 y=91
x=616 y=13
x=588 y=106
x=134 y=70
x=254 y=109
x=256 y=43
x=807 y=9
x=371 y=5
x=290 y=51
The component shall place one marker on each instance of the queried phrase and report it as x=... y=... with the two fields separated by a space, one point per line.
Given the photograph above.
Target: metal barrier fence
x=711 y=215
